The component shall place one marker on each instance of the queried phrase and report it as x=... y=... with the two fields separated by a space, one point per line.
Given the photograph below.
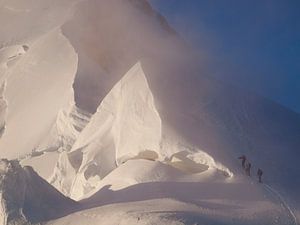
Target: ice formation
x=126 y=126
x=37 y=87
x=165 y=137
x=3 y=108
x=69 y=123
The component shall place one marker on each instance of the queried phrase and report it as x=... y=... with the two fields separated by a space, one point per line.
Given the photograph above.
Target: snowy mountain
x=115 y=102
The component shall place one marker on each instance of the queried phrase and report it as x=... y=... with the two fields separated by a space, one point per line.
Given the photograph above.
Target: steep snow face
x=38 y=86
x=26 y=198
x=3 y=108
x=126 y=126
x=128 y=113
x=69 y=123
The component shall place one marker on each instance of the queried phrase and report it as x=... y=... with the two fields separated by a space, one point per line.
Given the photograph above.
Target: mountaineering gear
x=248 y=168
x=259 y=174
x=243 y=158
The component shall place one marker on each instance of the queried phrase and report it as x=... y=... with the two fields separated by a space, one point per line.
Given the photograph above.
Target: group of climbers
x=247 y=167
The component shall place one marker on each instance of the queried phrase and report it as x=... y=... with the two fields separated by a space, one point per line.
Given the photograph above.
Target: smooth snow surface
x=148 y=192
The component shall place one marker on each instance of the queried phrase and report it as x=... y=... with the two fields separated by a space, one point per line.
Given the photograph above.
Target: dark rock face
x=28 y=199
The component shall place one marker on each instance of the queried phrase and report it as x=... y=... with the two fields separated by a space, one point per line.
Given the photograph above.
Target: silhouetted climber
x=259 y=174
x=248 y=168
x=243 y=158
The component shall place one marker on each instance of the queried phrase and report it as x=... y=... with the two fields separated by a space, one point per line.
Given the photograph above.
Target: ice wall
x=69 y=123
x=38 y=86
x=3 y=109
x=126 y=126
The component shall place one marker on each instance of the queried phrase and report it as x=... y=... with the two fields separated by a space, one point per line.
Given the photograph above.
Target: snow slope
x=147 y=192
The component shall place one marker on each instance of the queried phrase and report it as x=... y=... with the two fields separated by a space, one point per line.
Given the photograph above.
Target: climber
x=259 y=174
x=248 y=168
x=243 y=158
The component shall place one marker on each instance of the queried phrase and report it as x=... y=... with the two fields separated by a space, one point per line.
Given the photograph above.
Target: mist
x=113 y=36
x=253 y=45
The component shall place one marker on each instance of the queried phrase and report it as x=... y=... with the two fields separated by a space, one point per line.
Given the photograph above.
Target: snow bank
x=134 y=172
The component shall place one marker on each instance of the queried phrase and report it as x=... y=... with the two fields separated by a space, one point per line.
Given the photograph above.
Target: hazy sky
x=255 y=44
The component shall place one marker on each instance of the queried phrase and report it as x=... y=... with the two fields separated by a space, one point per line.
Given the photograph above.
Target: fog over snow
x=106 y=112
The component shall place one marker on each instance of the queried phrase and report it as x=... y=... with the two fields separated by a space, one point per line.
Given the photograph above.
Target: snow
x=69 y=123
x=148 y=192
x=129 y=111
x=36 y=89
x=126 y=126
x=26 y=198
x=162 y=146
x=44 y=170
x=3 y=108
